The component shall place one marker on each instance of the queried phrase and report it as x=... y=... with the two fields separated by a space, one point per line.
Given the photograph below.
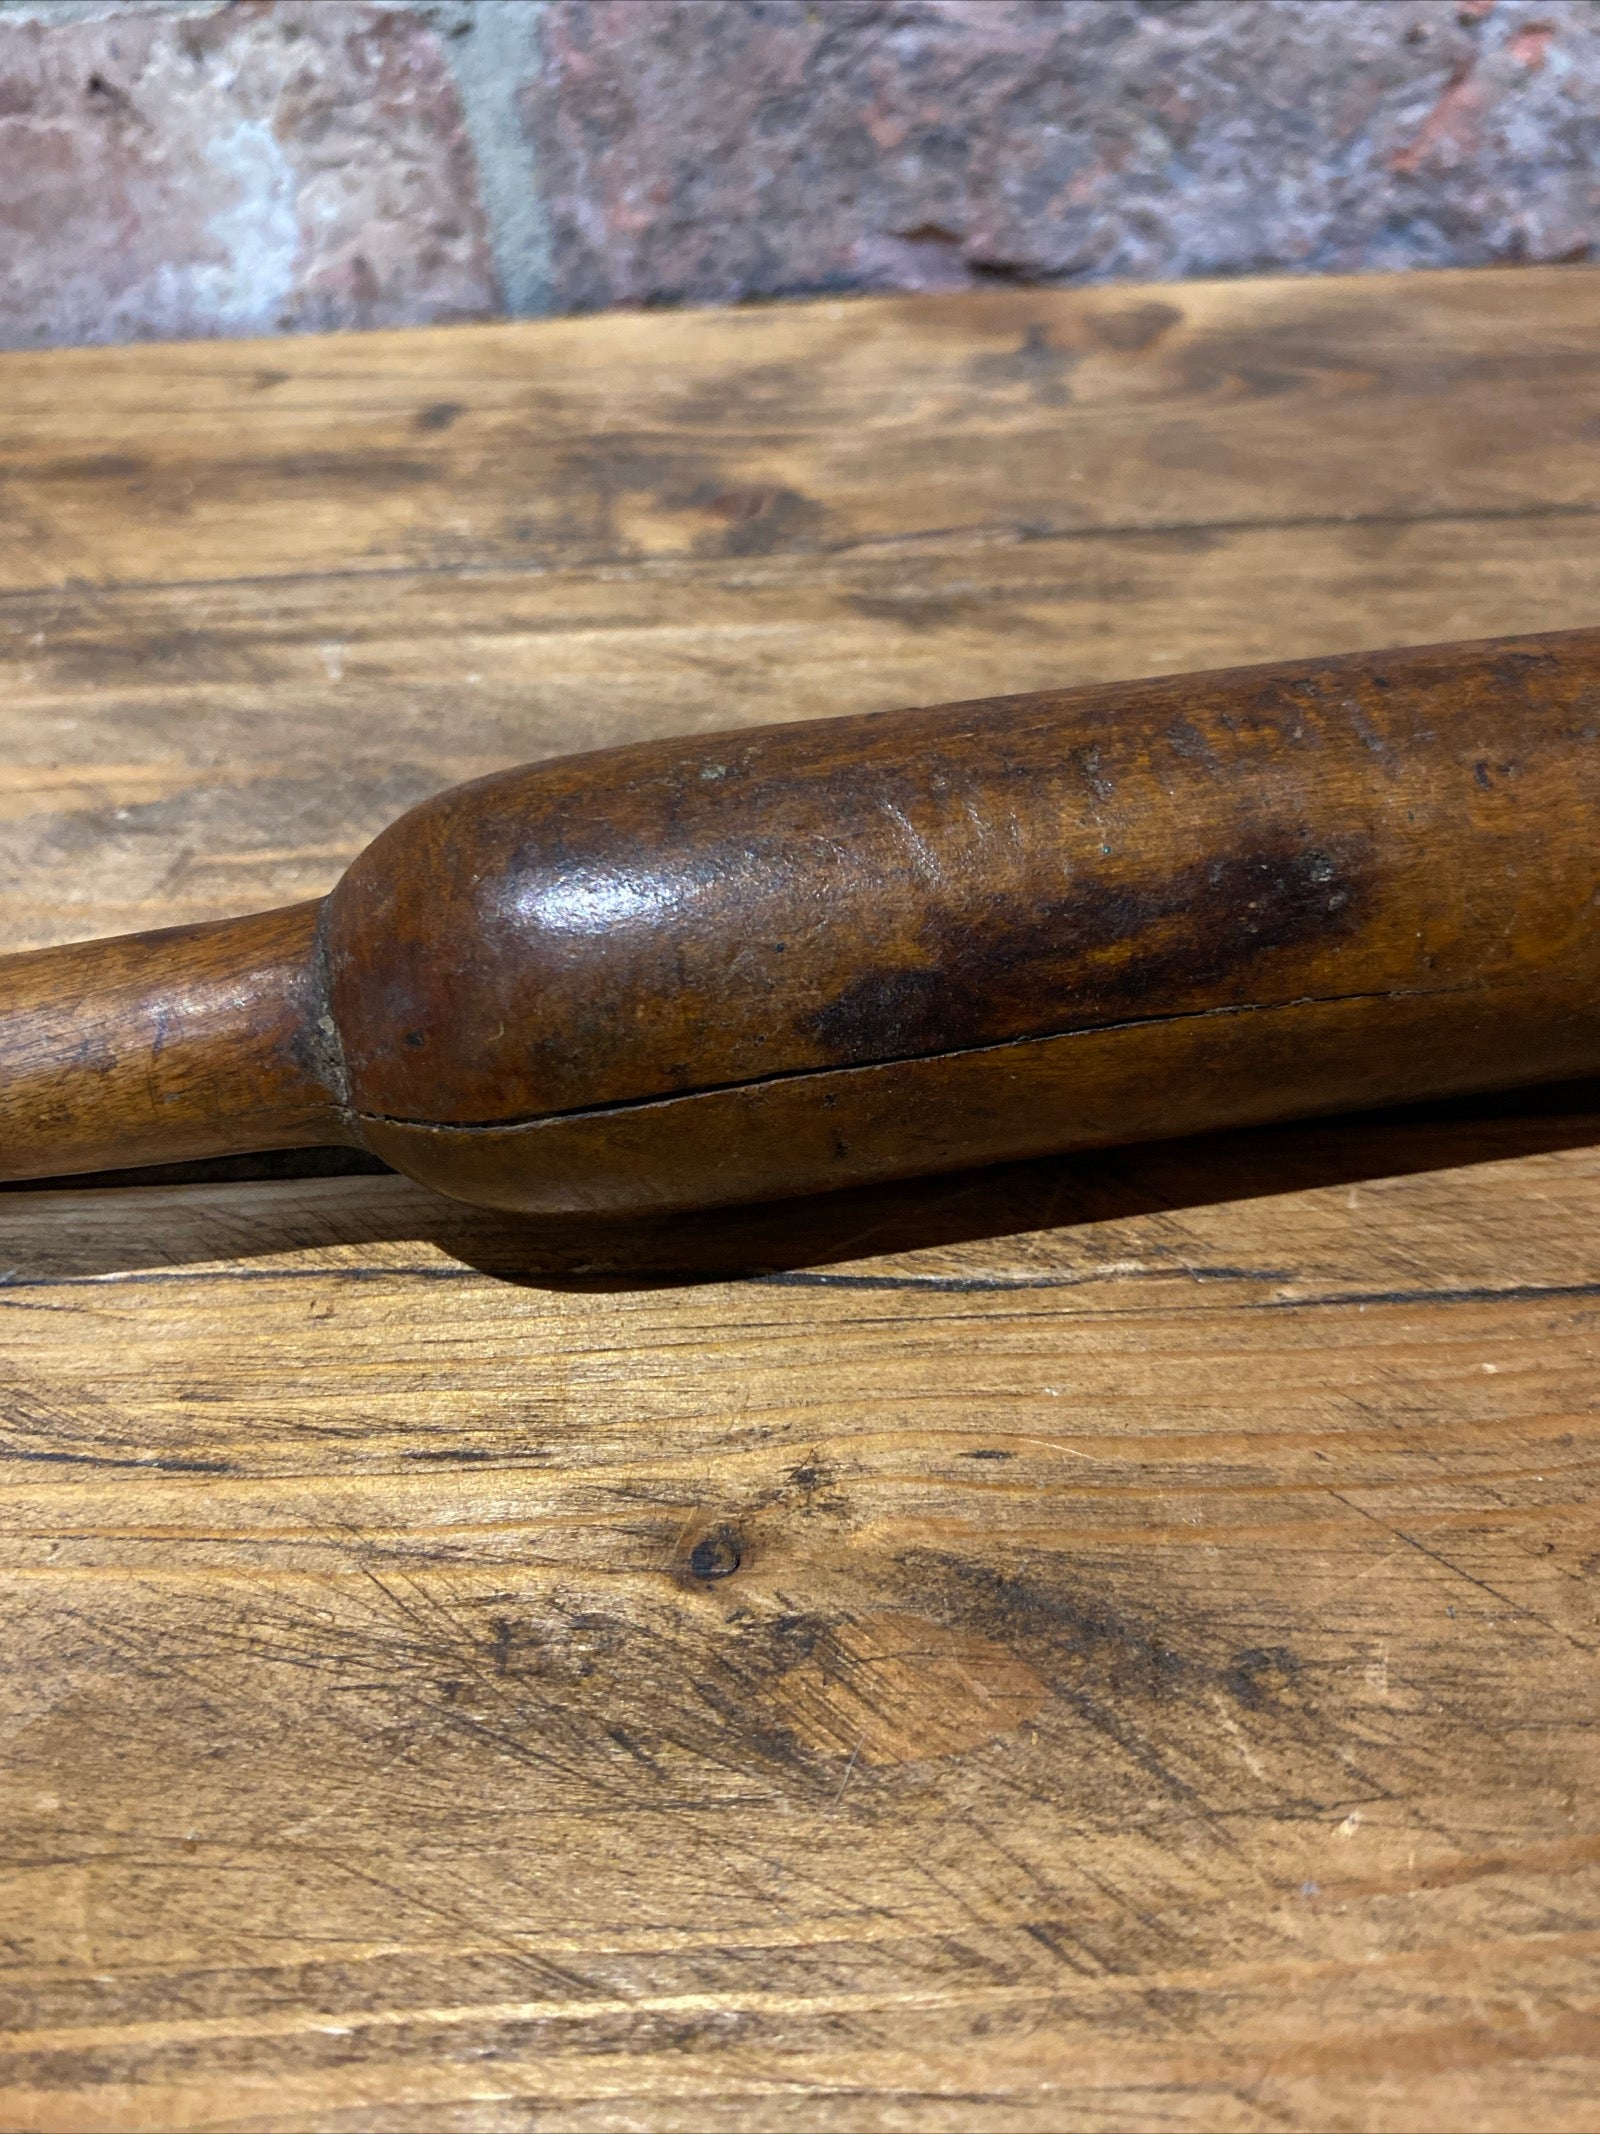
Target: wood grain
x=188 y=1042
x=1104 y=1645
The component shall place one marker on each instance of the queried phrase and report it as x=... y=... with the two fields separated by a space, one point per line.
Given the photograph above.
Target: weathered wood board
x=1105 y=1645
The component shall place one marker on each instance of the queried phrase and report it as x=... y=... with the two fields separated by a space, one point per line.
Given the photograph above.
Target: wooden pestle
x=790 y=958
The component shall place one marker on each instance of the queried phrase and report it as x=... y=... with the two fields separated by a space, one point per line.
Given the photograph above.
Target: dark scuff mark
x=95 y=467
x=1185 y=739
x=1037 y=363
x=1021 y=1612
x=920 y=611
x=138 y=1462
x=1261 y=1676
x=1134 y=328
x=1098 y=952
x=760 y=521
x=361 y=470
x=1140 y=1683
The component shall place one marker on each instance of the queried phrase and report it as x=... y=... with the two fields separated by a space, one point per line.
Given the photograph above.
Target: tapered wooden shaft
x=154 y=1048
x=795 y=957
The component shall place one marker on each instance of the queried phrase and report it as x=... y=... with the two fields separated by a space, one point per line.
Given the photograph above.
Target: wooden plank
x=1151 y=1689
x=1099 y=1645
x=179 y=753
x=809 y=428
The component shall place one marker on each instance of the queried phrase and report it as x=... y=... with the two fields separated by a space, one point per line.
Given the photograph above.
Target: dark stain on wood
x=1132 y=328
x=1099 y=954
x=1038 y=363
x=760 y=522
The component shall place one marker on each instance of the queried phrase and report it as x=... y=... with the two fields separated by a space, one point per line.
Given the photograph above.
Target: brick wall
x=186 y=167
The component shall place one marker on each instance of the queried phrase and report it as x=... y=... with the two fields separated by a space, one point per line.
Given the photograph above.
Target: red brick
x=246 y=171
x=704 y=150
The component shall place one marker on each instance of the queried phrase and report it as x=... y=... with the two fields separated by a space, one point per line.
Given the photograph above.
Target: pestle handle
x=192 y=1041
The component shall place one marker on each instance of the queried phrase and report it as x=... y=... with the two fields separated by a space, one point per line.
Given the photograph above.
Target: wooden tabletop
x=1101 y=1645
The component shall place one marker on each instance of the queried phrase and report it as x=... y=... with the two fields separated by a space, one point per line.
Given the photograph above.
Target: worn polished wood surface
x=691 y=974
x=1106 y=1644
x=185 y=1042
x=830 y=953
